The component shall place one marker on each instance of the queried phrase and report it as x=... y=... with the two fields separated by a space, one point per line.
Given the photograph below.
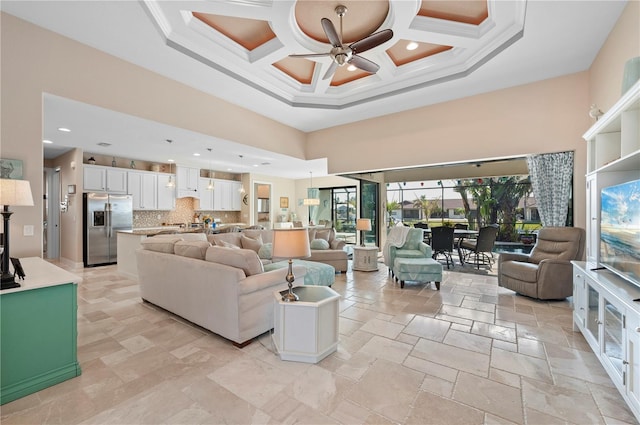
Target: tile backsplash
x=184 y=213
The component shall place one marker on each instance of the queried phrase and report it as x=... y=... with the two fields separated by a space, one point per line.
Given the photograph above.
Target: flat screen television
x=620 y=230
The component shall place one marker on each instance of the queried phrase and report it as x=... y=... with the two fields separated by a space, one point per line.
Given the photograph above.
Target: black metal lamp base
x=8 y=281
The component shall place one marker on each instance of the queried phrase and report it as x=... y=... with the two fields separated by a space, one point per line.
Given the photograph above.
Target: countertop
x=152 y=231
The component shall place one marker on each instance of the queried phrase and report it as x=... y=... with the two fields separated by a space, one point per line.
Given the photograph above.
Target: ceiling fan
x=341 y=54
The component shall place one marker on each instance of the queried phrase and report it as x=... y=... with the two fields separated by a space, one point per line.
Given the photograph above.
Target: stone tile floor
x=471 y=353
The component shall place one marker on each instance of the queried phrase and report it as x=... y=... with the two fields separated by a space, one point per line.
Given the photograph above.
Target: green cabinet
x=38 y=339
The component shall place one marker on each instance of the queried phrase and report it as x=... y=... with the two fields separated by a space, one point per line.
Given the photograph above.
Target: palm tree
x=391 y=207
x=425 y=205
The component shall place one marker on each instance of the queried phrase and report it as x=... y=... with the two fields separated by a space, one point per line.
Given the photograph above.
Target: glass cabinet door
x=593 y=320
x=612 y=341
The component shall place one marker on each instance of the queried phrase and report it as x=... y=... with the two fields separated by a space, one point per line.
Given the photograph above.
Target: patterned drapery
x=551 y=176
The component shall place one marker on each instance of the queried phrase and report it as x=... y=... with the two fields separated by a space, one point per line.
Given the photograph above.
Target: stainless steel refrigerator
x=104 y=215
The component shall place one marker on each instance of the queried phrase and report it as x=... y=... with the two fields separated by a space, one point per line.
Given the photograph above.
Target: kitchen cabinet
x=206 y=195
x=166 y=195
x=97 y=178
x=143 y=186
x=226 y=195
x=187 y=179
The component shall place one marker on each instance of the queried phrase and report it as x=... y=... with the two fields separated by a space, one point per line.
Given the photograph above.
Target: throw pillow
x=319 y=244
x=244 y=259
x=228 y=245
x=192 y=249
x=323 y=234
x=250 y=243
x=265 y=251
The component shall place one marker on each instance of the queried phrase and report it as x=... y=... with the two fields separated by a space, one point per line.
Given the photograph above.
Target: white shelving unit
x=604 y=307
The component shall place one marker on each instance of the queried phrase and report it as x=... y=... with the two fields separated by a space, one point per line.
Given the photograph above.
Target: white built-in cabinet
x=227 y=195
x=187 y=179
x=143 y=187
x=206 y=195
x=97 y=178
x=609 y=318
x=604 y=307
x=166 y=195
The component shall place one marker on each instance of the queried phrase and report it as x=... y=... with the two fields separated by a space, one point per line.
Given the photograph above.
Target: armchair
x=546 y=273
x=413 y=246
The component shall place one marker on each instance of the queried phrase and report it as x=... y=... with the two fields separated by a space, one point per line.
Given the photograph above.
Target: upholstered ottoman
x=417 y=269
x=319 y=274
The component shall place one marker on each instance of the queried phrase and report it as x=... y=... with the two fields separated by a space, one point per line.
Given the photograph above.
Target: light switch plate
x=27 y=230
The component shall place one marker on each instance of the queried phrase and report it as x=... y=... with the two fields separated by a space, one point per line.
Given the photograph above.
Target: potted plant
x=528 y=237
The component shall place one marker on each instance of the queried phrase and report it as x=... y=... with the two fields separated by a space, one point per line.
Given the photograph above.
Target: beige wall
x=623 y=43
x=546 y=116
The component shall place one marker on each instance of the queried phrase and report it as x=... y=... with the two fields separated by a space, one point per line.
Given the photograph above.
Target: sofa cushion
x=266 y=251
x=319 y=244
x=192 y=249
x=253 y=244
x=160 y=244
x=244 y=259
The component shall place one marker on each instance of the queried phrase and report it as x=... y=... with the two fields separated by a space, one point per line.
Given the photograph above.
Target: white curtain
x=551 y=176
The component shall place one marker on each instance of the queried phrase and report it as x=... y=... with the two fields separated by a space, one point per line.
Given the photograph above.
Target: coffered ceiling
x=251 y=40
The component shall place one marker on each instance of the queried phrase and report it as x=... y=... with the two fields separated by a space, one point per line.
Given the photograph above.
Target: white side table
x=306 y=330
x=365 y=258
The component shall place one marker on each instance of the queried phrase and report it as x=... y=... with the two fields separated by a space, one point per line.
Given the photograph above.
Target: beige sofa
x=221 y=289
x=334 y=256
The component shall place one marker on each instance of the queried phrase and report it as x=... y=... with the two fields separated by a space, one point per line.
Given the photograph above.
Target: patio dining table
x=459 y=234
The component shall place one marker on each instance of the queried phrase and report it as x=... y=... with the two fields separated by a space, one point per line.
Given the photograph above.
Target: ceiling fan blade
x=310 y=55
x=371 y=41
x=364 y=64
x=331 y=70
x=330 y=31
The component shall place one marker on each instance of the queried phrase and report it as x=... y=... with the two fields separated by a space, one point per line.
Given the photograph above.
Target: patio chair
x=426 y=235
x=479 y=251
x=442 y=243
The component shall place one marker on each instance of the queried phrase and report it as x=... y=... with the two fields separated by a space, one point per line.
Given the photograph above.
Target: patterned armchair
x=413 y=247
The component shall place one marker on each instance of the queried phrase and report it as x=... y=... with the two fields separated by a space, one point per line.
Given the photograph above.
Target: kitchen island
x=129 y=241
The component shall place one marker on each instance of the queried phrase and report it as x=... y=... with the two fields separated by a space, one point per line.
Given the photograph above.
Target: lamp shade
x=15 y=192
x=363 y=224
x=291 y=243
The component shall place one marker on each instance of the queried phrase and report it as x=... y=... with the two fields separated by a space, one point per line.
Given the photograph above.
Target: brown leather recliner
x=546 y=273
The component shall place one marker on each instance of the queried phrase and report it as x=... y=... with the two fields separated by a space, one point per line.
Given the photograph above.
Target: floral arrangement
x=207 y=219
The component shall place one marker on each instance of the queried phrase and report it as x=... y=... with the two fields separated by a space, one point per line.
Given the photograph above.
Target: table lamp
x=291 y=243
x=364 y=225
x=16 y=193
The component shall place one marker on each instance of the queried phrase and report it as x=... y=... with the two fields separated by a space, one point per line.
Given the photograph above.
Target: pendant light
x=170 y=182
x=210 y=185
x=311 y=201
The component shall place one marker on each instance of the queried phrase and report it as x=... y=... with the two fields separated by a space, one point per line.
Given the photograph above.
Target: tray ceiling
x=250 y=40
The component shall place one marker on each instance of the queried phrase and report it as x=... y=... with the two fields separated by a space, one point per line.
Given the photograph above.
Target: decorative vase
x=631 y=73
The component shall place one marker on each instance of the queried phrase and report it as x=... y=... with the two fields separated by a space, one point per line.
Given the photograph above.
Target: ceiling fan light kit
x=341 y=54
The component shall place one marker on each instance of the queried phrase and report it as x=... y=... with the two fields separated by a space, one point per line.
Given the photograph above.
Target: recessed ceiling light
x=104 y=144
x=48 y=142
x=351 y=68
x=255 y=165
x=170 y=160
x=196 y=154
x=412 y=45
x=64 y=129
x=265 y=163
x=229 y=169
